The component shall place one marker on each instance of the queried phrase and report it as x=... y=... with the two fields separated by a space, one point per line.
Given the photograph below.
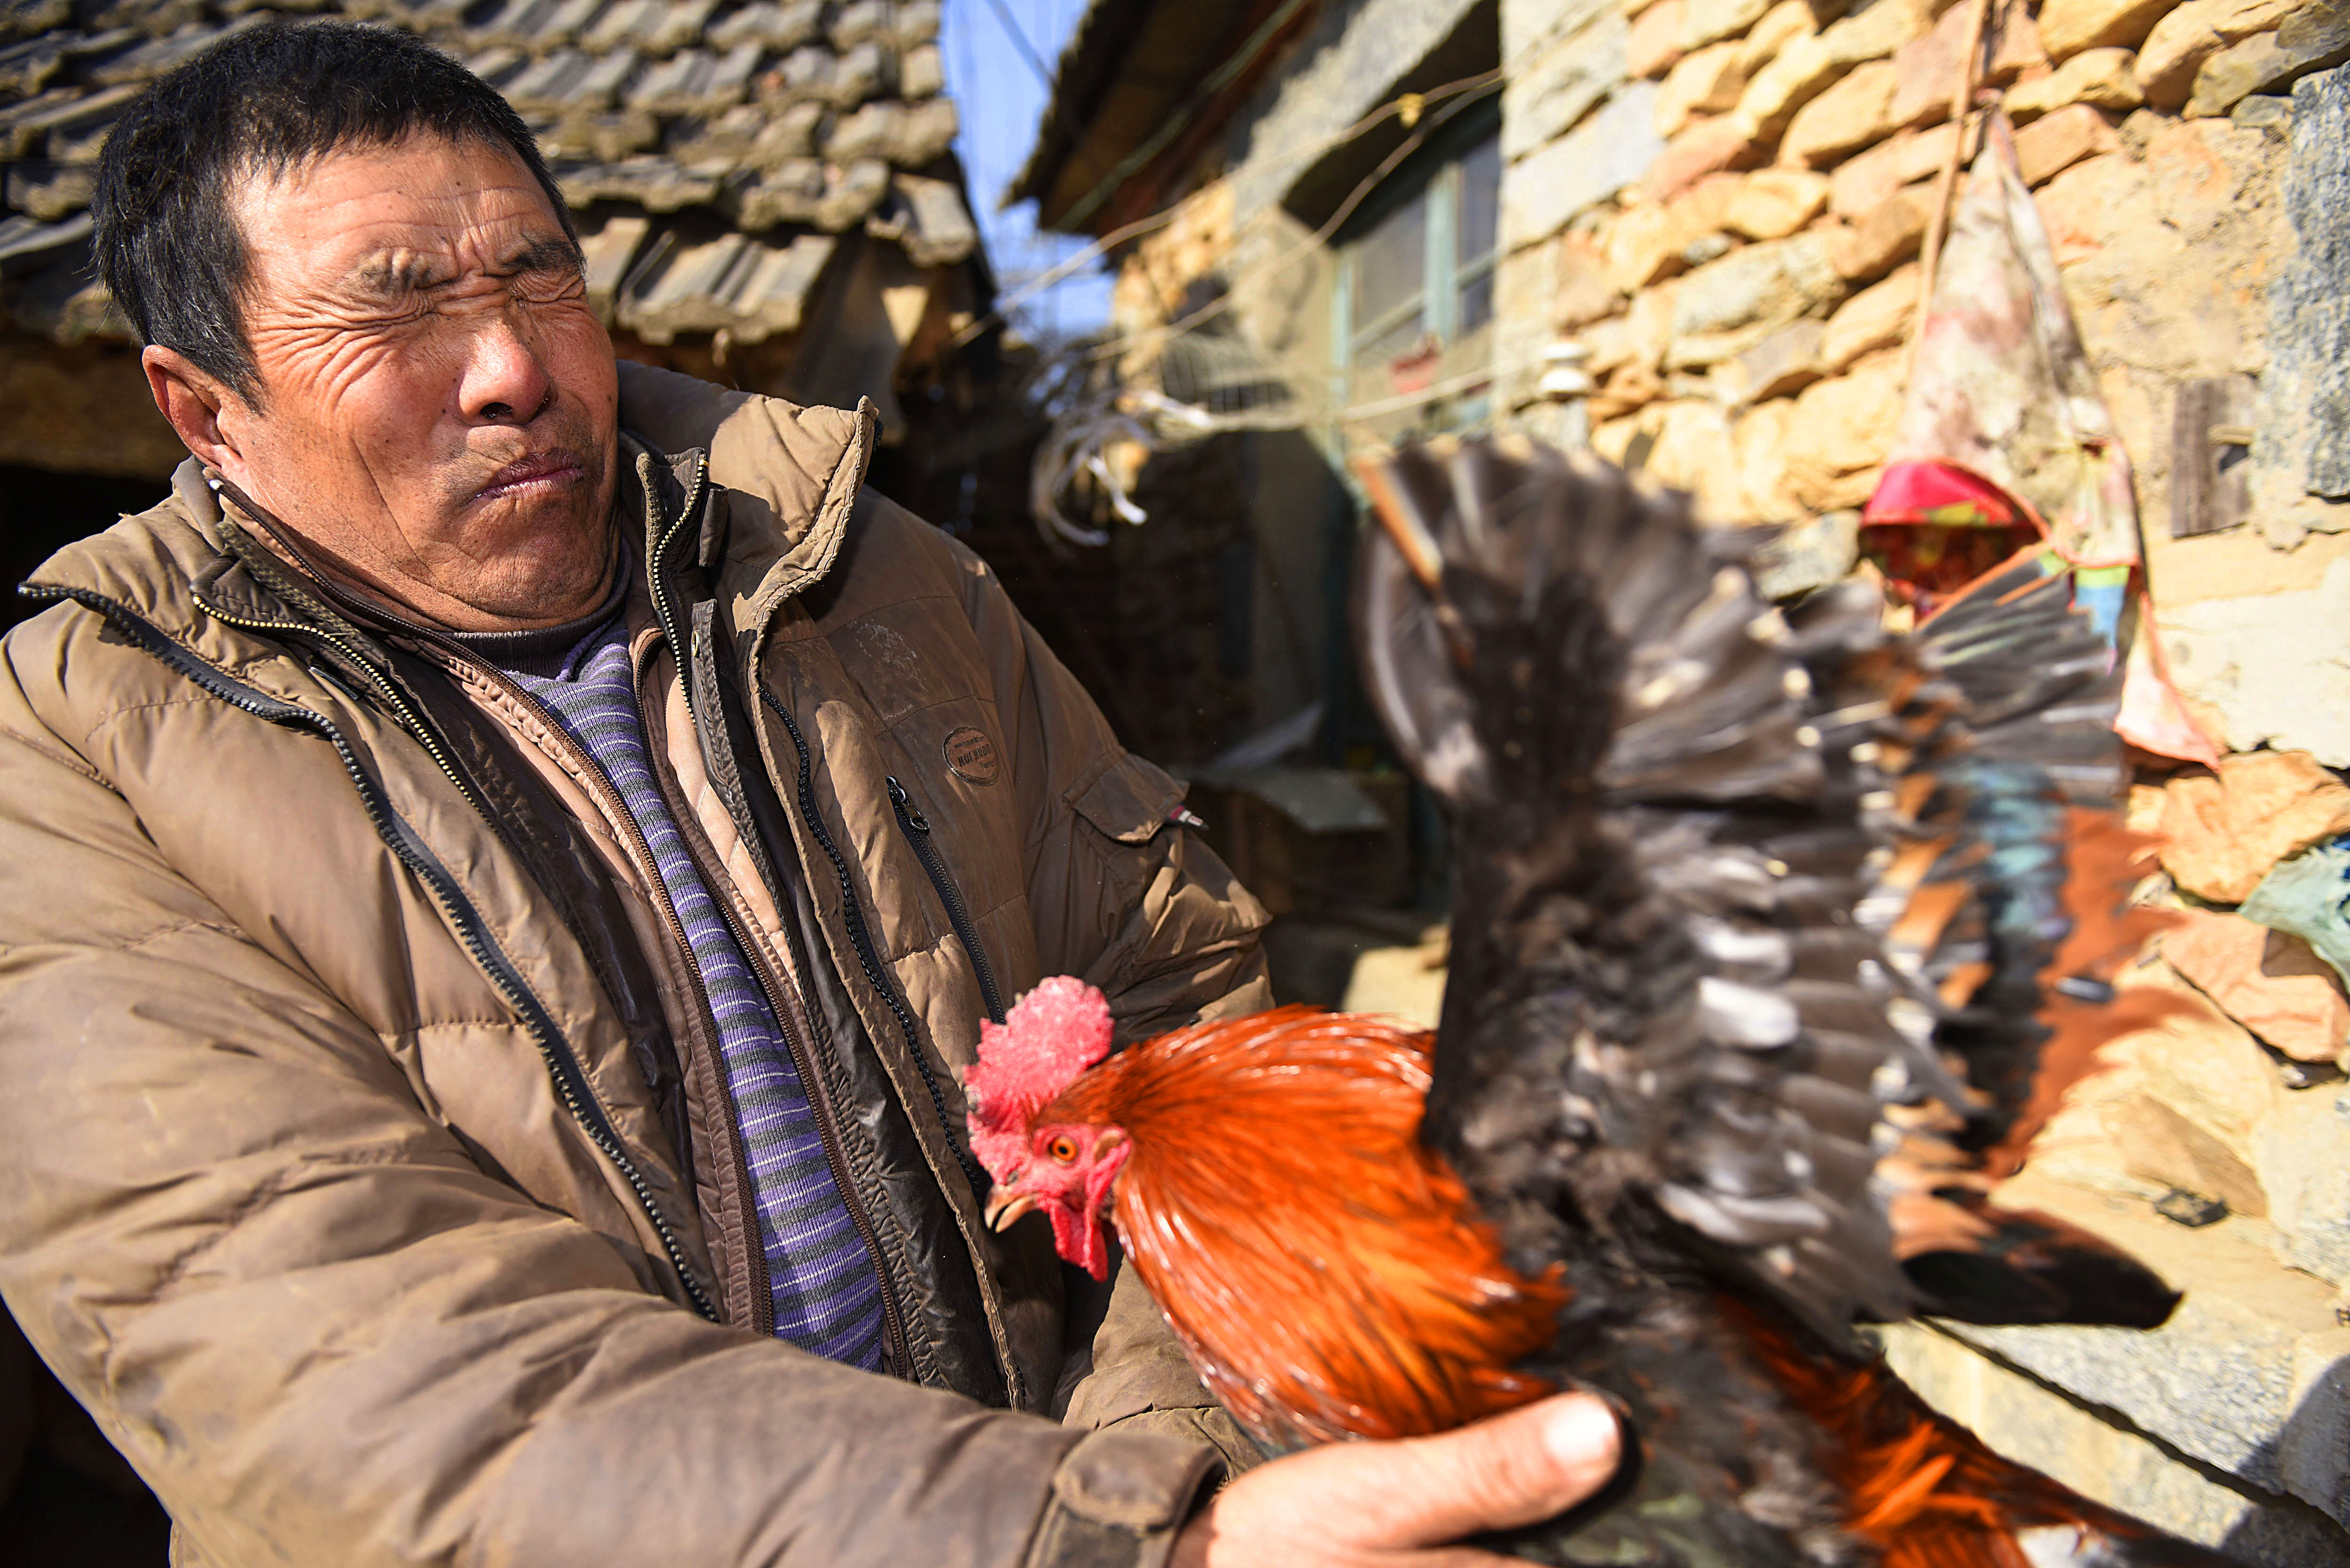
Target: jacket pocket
x=1129 y=800
x=917 y=829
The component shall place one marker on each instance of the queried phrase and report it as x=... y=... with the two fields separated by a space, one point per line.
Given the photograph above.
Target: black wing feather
x=1679 y=813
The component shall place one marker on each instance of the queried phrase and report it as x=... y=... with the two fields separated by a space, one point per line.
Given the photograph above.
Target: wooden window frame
x=1433 y=172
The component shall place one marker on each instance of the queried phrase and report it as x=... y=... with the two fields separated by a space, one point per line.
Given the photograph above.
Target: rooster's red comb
x=1051 y=1035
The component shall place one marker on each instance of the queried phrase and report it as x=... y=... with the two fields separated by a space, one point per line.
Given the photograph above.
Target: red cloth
x=1933 y=526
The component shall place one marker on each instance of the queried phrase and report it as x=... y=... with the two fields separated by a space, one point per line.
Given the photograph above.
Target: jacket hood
x=785 y=477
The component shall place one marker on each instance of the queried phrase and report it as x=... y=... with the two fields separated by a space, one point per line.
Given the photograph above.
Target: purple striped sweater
x=827 y=1298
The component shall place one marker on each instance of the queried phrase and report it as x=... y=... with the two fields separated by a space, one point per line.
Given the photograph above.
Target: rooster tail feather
x=1927 y=1493
x=1535 y=625
x=1655 y=814
x=2009 y=901
x=2078 y=1008
x=2013 y=898
x=2020 y=1266
x=1775 y=916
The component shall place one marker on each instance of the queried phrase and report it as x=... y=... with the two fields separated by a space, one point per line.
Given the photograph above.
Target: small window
x=1478 y=175
x=1390 y=263
x=1415 y=286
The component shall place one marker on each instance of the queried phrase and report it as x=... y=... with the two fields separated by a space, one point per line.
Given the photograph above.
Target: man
x=503 y=869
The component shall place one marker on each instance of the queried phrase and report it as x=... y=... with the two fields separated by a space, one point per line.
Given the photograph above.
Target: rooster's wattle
x=1775 y=941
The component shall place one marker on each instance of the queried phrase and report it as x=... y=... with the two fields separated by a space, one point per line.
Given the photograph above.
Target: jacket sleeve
x=1134 y=1378
x=324 y=1334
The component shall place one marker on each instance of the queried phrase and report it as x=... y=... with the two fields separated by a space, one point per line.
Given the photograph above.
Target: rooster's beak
x=1005 y=1207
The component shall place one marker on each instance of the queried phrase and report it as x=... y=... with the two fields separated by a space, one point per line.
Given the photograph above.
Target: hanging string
x=1302 y=152
x=1972 y=59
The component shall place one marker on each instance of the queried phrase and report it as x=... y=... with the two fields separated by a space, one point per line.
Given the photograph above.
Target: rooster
x=1775 y=941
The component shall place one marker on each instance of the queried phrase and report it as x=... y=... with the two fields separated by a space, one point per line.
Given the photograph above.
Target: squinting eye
x=1064 y=1149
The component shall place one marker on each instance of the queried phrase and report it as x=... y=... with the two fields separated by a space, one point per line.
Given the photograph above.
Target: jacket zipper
x=893 y=1327
x=918 y=833
x=862 y=940
x=762 y=1294
x=893 y=1324
x=406 y=715
x=563 y=1065
x=762 y=1279
x=763 y=1285
x=762 y=1302
x=663 y=611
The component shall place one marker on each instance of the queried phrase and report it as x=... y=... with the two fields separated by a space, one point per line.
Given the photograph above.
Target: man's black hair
x=265 y=101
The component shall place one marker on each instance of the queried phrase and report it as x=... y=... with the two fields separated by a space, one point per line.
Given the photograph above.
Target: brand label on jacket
x=970 y=755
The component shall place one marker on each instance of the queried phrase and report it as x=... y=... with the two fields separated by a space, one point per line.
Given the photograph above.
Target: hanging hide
x=2006 y=437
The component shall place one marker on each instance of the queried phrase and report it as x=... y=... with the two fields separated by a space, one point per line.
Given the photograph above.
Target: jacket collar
x=784 y=480
x=149 y=562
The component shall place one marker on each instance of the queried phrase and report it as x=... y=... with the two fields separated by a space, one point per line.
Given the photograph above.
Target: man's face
x=438 y=402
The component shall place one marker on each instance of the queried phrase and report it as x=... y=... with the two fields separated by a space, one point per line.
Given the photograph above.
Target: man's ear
x=208 y=413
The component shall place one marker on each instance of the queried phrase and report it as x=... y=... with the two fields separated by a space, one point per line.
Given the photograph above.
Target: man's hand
x=1397 y=1505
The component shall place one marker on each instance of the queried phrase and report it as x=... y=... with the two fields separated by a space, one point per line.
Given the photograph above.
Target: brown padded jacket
x=346 y=1179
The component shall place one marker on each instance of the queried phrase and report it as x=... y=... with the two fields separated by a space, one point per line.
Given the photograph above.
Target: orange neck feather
x=1322 y=1265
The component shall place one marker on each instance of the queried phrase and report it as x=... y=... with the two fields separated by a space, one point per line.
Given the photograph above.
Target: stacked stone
x=1725 y=201
x=1158 y=276
x=2216 y=1148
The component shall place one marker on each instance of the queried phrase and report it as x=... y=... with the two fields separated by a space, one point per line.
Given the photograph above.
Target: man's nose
x=505 y=382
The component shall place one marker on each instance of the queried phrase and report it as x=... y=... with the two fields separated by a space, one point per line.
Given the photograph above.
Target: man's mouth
x=533 y=476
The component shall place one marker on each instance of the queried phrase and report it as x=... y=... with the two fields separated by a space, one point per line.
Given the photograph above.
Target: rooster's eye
x=1062 y=1149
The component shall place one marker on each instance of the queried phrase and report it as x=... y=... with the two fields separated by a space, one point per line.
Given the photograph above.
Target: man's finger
x=1514 y=1469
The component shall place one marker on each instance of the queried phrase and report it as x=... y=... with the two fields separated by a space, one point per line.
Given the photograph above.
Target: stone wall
x=1722 y=201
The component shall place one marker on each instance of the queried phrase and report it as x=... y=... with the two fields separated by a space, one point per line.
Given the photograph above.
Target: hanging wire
x=1079 y=442
x=1027 y=50
x=1459 y=95
x=1214 y=382
x=1234 y=382
x=1404 y=104
x=1211 y=383
x=1222 y=77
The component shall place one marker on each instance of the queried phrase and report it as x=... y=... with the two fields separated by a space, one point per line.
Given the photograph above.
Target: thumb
x=1529 y=1465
